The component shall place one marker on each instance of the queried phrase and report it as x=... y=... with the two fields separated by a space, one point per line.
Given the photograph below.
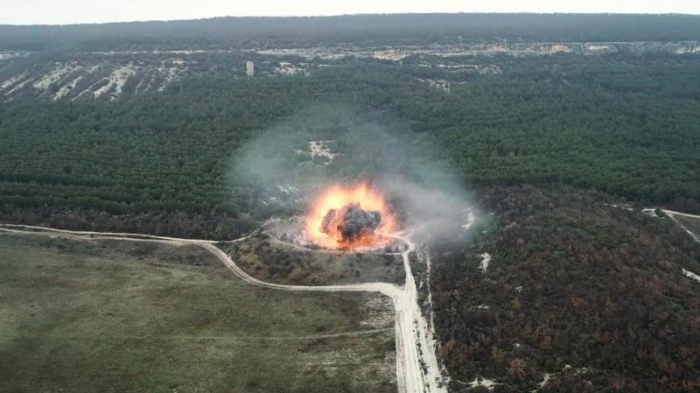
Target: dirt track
x=417 y=369
x=672 y=214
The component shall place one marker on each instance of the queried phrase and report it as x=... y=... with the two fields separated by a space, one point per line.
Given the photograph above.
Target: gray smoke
x=352 y=222
x=407 y=166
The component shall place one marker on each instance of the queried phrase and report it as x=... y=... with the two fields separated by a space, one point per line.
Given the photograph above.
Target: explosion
x=350 y=217
x=351 y=222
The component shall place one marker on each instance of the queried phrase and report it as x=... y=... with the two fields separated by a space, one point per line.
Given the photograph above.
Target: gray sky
x=97 y=11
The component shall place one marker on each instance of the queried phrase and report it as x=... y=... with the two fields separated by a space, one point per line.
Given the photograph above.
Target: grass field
x=111 y=316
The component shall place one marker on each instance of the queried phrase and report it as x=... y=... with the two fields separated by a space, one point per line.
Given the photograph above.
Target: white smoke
x=394 y=159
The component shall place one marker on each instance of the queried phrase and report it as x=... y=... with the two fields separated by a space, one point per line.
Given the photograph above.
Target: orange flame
x=337 y=197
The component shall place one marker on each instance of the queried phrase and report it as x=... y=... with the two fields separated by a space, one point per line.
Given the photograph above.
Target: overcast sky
x=98 y=11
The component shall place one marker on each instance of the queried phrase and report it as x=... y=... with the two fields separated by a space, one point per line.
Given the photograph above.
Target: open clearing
x=108 y=315
x=270 y=260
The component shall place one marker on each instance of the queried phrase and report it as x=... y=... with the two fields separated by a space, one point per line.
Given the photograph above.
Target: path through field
x=417 y=368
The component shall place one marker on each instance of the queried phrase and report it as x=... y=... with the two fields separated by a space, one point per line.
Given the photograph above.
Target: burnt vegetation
x=271 y=260
x=572 y=281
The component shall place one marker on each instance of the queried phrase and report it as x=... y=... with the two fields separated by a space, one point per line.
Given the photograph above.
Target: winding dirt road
x=417 y=368
x=673 y=215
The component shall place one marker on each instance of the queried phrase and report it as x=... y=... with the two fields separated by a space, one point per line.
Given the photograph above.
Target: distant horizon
x=88 y=12
x=340 y=15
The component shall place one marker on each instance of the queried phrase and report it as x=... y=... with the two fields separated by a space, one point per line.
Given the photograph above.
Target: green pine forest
x=626 y=125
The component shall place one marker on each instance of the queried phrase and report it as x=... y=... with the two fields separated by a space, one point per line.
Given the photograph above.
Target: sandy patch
x=692 y=275
x=318 y=149
x=485 y=382
x=286 y=68
x=117 y=79
x=65 y=89
x=485 y=261
x=12 y=81
x=19 y=86
x=56 y=75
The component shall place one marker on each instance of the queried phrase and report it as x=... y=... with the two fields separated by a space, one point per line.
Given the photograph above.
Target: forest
x=589 y=293
x=627 y=125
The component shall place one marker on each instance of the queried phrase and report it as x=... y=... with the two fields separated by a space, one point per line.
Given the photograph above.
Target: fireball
x=322 y=221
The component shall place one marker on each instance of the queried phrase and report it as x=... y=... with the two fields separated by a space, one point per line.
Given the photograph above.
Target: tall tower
x=250 y=68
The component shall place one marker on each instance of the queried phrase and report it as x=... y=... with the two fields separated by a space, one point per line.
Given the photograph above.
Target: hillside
x=528 y=165
x=578 y=296
x=626 y=124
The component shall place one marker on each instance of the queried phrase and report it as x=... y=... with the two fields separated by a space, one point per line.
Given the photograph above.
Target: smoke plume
x=289 y=164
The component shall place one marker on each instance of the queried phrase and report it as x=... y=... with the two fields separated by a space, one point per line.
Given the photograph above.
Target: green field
x=111 y=316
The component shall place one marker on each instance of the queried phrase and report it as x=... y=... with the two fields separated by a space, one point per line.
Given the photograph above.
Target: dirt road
x=417 y=368
x=673 y=215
